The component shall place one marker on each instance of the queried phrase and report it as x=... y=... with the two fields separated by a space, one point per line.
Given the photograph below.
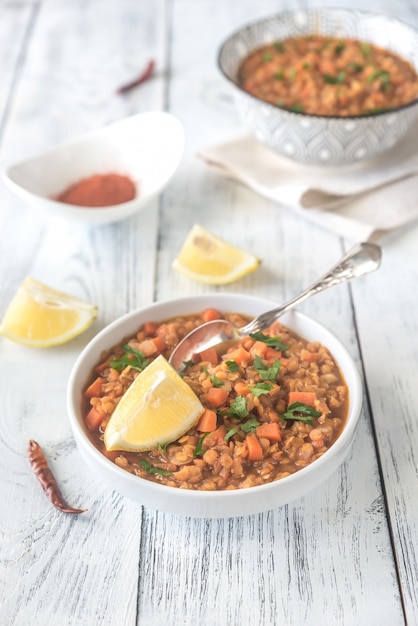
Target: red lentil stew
x=328 y=76
x=273 y=404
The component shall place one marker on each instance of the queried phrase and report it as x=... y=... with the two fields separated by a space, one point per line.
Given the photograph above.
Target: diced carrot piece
x=241 y=389
x=269 y=431
x=159 y=343
x=111 y=454
x=216 y=396
x=93 y=419
x=150 y=328
x=102 y=367
x=216 y=438
x=327 y=67
x=210 y=355
x=148 y=347
x=208 y=315
x=255 y=451
x=240 y=355
x=306 y=397
x=273 y=416
x=207 y=421
x=310 y=357
x=259 y=348
x=162 y=331
x=93 y=390
x=272 y=354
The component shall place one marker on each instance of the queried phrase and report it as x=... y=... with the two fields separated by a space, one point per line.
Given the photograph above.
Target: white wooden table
x=345 y=555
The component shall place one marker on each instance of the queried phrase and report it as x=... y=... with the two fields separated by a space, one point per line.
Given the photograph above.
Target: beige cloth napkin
x=360 y=202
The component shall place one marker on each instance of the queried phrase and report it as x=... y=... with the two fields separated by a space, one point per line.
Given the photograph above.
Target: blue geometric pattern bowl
x=317 y=139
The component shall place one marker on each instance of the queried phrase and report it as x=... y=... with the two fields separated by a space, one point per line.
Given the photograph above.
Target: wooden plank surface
x=346 y=554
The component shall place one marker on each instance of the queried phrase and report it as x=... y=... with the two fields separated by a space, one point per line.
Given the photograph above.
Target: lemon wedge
x=41 y=317
x=209 y=259
x=157 y=408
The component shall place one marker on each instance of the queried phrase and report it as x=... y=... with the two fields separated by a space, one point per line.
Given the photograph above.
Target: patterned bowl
x=317 y=139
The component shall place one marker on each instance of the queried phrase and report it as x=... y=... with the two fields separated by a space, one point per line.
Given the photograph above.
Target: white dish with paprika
x=105 y=176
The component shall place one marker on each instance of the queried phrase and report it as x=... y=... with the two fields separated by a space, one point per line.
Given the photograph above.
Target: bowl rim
x=184 y=495
x=314 y=11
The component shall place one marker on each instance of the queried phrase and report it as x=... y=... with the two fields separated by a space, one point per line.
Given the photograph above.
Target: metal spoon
x=362 y=259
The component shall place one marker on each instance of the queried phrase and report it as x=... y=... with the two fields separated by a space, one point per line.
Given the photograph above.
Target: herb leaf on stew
x=132 y=357
x=384 y=77
x=232 y=366
x=267 y=373
x=198 y=449
x=151 y=469
x=272 y=342
x=231 y=432
x=250 y=425
x=300 y=412
x=238 y=408
x=216 y=382
x=260 y=388
x=334 y=80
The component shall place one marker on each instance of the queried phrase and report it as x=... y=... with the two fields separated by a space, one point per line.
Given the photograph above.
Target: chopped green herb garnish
x=377 y=110
x=267 y=373
x=267 y=57
x=291 y=73
x=260 y=388
x=280 y=104
x=279 y=46
x=188 y=363
x=154 y=470
x=163 y=447
x=297 y=108
x=250 y=425
x=238 y=408
x=198 y=449
x=384 y=77
x=300 y=412
x=216 y=382
x=306 y=66
x=232 y=366
x=231 y=432
x=365 y=48
x=279 y=75
x=132 y=357
x=272 y=342
x=339 y=48
x=334 y=80
x=356 y=67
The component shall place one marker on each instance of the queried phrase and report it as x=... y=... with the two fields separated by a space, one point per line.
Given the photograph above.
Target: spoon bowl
x=362 y=259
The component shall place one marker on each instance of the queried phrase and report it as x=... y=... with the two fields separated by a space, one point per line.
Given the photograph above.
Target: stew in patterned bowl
x=324 y=86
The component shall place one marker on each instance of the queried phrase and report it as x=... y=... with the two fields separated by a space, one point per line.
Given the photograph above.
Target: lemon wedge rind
x=39 y=316
x=158 y=407
x=209 y=259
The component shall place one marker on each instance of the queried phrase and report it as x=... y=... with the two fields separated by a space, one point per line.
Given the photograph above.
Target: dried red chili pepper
x=41 y=470
x=142 y=78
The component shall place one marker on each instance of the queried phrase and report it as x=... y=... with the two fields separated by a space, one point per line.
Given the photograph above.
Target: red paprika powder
x=99 y=190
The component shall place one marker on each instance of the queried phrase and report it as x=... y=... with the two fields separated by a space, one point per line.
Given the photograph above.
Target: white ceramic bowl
x=316 y=139
x=146 y=147
x=219 y=503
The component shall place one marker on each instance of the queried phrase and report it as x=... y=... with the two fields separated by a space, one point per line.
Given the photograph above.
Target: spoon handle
x=360 y=260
